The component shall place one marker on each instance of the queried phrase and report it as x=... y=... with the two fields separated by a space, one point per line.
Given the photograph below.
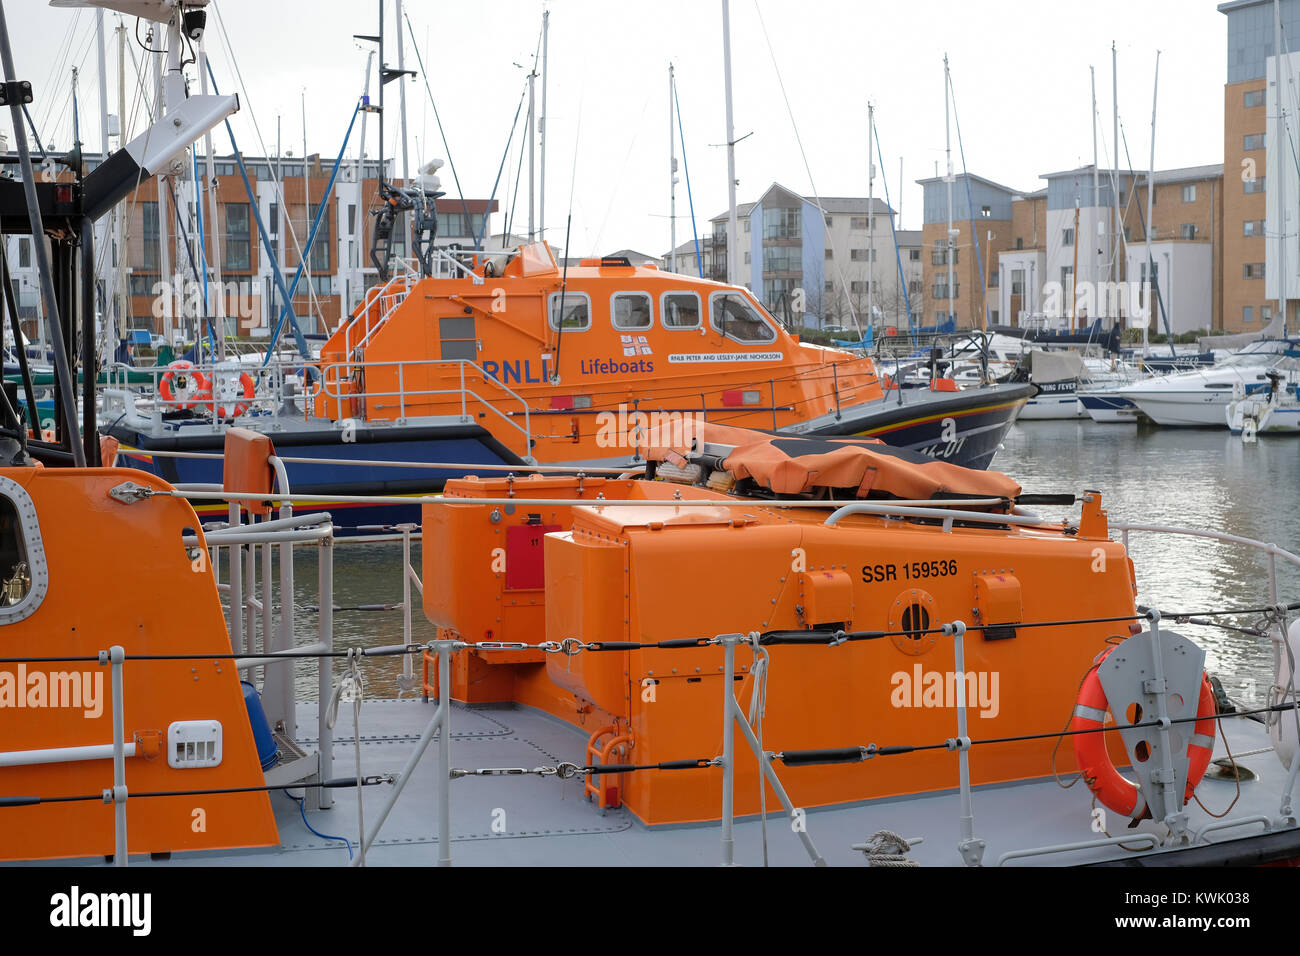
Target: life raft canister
x=182 y=385
x=1099 y=773
x=230 y=395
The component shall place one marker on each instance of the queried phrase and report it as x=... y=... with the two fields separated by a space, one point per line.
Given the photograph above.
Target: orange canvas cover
x=792 y=466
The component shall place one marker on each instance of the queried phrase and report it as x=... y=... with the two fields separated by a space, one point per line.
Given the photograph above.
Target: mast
x=119 y=221
x=1278 y=140
x=672 y=174
x=103 y=232
x=1118 y=227
x=401 y=90
x=947 y=133
x=871 y=214
x=217 y=295
x=1074 y=274
x=164 y=217
x=358 y=276
x=306 y=200
x=532 y=147
x=731 y=146
x=1151 y=193
x=541 y=135
x=1096 y=193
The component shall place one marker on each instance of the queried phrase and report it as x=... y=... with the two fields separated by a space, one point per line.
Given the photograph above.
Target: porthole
x=913 y=610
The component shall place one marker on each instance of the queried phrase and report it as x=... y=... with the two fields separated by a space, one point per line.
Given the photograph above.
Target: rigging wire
x=690 y=199
x=835 y=257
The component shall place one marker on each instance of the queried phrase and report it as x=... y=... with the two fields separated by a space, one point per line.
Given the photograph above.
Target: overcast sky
x=1020 y=73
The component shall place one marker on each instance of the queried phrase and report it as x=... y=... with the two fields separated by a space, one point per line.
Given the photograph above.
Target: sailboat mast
x=164 y=217
x=672 y=177
x=947 y=133
x=871 y=213
x=401 y=90
x=1074 y=269
x=1096 y=195
x=532 y=144
x=1151 y=198
x=102 y=233
x=306 y=199
x=1278 y=140
x=119 y=223
x=1117 y=228
x=218 y=296
x=731 y=147
x=541 y=135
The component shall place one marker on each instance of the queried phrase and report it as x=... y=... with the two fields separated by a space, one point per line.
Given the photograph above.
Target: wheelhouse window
x=731 y=314
x=631 y=311
x=577 y=311
x=680 y=310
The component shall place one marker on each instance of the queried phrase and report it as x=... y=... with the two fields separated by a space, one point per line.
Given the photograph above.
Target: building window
x=828 y=222
x=1017 y=281
x=237 y=252
x=141 y=284
x=860 y=288
x=456 y=224
x=913 y=255
x=781 y=223
x=1067 y=237
x=829 y=255
x=1128 y=233
x=782 y=259
x=1252 y=270
x=25 y=249
x=996 y=315
x=1067 y=275
x=1255 y=185
x=914 y=287
x=273 y=228
x=830 y=286
x=986 y=212
x=1020 y=242
x=1252 y=98
x=746 y=225
x=1265 y=313
x=938 y=256
x=994 y=279
x=149 y=236
x=746 y=258
x=1188 y=230
x=1189 y=193
x=1253 y=227
x=352 y=218
x=858 y=222
x=941 y=288
x=862 y=255
x=1253 y=141
x=1247 y=314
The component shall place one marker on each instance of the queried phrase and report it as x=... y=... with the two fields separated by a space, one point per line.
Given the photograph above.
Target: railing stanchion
x=444 y=754
x=325 y=670
x=728 y=747
x=236 y=587
x=971 y=848
x=407 y=680
x=116 y=655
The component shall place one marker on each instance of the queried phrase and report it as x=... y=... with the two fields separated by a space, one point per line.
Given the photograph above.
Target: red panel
x=733 y=397
x=524 y=556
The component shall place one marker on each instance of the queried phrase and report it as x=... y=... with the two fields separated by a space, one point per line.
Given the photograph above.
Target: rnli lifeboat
x=517 y=361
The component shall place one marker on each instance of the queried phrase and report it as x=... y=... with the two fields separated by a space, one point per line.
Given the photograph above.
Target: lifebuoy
x=1099 y=773
x=182 y=385
x=230 y=395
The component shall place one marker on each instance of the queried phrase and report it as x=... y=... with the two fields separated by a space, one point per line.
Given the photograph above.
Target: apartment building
x=1261 y=258
x=338 y=268
x=830 y=260
x=982 y=229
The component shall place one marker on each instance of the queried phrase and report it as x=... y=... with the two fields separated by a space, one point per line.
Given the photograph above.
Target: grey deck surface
x=549 y=823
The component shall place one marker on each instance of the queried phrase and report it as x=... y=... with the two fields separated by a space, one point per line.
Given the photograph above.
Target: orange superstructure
x=589 y=362
x=624 y=571
x=162 y=600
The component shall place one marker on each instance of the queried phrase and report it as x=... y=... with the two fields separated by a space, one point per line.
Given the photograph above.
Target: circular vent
x=913 y=610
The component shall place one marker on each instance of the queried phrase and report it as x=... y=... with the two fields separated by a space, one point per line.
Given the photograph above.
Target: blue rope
x=699 y=259
x=302 y=808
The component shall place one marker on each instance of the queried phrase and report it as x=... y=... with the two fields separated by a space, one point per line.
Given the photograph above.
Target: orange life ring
x=887 y=383
x=1099 y=773
x=230 y=397
x=182 y=385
